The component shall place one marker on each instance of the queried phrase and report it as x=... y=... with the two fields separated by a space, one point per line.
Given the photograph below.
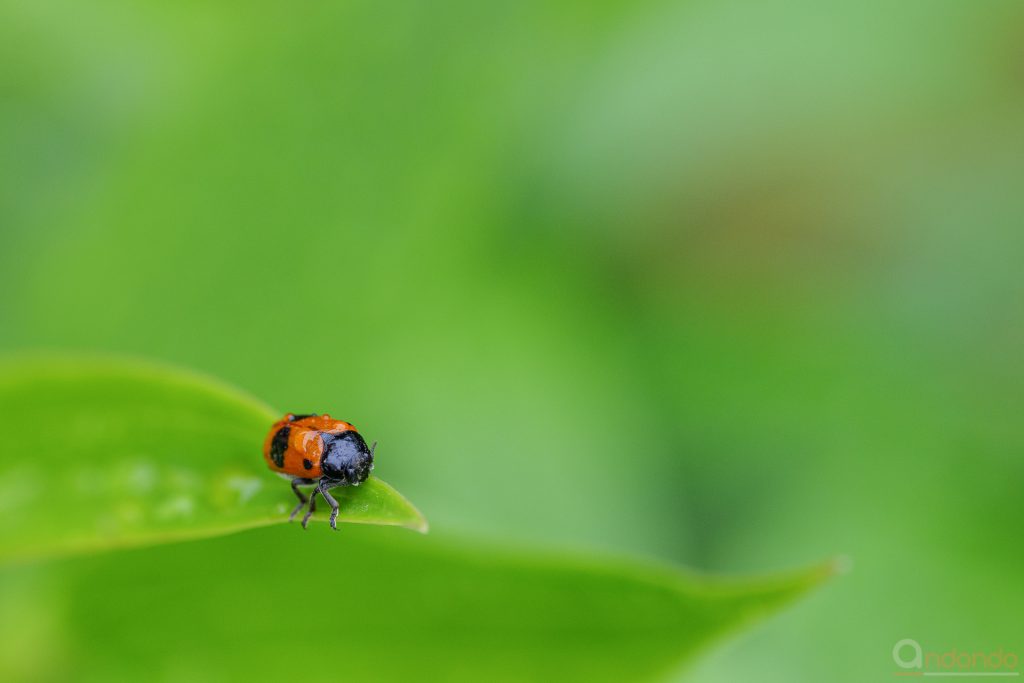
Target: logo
x=912 y=660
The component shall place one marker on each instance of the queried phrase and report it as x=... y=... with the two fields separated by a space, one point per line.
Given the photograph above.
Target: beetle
x=317 y=450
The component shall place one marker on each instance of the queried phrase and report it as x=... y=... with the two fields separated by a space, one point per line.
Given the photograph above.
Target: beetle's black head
x=346 y=458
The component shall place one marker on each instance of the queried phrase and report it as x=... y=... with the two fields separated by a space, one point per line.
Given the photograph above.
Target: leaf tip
x=417 y=522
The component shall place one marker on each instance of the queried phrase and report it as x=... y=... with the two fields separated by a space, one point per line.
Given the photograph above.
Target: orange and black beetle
x=314 y=449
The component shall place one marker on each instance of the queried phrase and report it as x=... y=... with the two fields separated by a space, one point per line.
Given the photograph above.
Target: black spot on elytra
x=307 y=463
x=279 y=445
x=293 y=418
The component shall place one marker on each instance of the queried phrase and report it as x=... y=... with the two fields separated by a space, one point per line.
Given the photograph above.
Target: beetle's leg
x=333 y=503
x=296 y=483
x=312 y=506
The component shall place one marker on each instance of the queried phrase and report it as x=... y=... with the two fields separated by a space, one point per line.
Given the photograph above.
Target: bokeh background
x=732 y=285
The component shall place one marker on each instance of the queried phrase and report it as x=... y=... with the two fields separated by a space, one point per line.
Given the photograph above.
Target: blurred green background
x=733 y=285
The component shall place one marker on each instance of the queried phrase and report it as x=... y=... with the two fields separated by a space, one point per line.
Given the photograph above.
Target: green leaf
x=105 y=453
x=276 y=604
x=102 y=453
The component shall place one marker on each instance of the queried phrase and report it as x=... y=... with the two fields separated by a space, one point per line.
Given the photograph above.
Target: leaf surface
x=275 y=604
x=103 y=453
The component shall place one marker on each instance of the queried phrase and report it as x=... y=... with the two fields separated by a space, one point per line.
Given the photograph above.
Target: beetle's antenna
x=373 y=448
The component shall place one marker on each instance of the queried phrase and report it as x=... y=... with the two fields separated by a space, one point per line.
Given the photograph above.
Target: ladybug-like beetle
x=316 y=450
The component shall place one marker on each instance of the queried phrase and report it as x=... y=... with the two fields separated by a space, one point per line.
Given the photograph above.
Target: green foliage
x=734 y=285
x=106 y=453
x=374 y=605
x=111 y=453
